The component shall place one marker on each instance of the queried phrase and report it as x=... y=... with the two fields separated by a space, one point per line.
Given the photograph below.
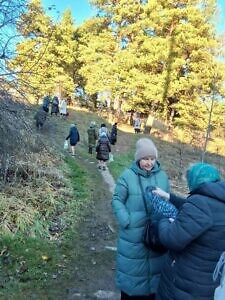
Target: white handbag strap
x=220 y=269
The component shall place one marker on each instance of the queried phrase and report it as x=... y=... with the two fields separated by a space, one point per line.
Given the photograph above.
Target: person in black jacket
x=55 y=106
x=46 y=102
x=113 y=135
x=74 y=137
x=40 y=118
x=102 y=151
x=195 y=239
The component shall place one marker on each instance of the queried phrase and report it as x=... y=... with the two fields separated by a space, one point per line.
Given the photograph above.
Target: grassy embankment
x=32 y=256
x=33 y=261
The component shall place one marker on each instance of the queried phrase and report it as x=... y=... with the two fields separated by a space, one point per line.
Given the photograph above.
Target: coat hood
x=136 y=169
x=214 y=190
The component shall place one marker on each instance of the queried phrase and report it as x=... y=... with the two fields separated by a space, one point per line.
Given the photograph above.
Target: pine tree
x=166 y=54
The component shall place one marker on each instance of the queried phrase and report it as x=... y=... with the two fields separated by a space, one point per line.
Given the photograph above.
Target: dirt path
x=92 y=277
x=92 y=270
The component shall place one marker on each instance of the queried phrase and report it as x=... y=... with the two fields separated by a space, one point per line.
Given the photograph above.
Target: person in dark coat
x=55 y=106
x=102 y=151
x=113 y=135
x=46 y=102
x=40 y=118
x=195 y=239
x=92 y=137
x=74 y=137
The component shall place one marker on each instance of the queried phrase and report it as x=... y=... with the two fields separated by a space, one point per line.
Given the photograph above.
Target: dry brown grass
x=34 y=193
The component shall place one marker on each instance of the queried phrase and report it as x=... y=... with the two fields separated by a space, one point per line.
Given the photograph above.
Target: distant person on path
x=40 y=118
x=46 y=102
x=113 y=135
x=102 y=151
x=137 y=125
x=63 y=108
x=55 y=106
x=92 y=137
x=195 y=238
x=69 y=100
x=74 y=137
x=137 y=268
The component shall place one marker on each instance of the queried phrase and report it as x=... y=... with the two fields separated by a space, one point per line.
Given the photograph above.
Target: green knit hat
x=201 y=173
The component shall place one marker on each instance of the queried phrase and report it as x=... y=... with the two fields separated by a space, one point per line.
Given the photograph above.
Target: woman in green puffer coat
x=138 y=269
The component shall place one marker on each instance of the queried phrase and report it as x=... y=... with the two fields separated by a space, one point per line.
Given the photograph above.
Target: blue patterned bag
x=158 y=205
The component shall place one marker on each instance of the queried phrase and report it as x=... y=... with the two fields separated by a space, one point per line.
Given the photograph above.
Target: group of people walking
x=98 y=141
x=57 y=105
x=193 y=239
x=53 y=106
x=101 y=142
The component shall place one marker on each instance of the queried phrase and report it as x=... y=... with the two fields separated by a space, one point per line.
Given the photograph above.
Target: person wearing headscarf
x=55 y=106
x=74 y=137
x=92 y=137
x=137 y=268
x=102 y=129
x=195 y=239
x=63 y=108
x=102 y=151
x=46 y=102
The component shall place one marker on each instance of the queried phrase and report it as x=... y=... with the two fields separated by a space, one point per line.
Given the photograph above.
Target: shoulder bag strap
x=143 y=195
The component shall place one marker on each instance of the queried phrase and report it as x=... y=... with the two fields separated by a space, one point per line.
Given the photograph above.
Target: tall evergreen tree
x=166 y=54
x=96 y=55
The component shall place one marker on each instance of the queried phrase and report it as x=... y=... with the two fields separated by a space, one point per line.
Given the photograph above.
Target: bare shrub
x=17 y=140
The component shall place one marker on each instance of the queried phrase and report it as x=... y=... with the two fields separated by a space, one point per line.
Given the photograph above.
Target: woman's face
x=147 y=163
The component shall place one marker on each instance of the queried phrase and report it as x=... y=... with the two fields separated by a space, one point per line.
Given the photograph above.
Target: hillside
x=84 y=266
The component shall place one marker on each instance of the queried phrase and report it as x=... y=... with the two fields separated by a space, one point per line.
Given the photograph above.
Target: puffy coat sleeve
x=97 y=146
x=193 y=219
x=96 y=135
x=177 y=201
x=109 y=147
x=167 y=184
x=68 y=135
x=118 y=202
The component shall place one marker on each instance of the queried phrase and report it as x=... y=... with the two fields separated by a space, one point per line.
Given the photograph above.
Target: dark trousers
x=124 y=296
x=137 y=130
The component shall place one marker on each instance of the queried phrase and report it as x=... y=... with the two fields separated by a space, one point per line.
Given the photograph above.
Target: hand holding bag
x=150 y=235
x=219 y=293
x=66 y=145
x=111 y=158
